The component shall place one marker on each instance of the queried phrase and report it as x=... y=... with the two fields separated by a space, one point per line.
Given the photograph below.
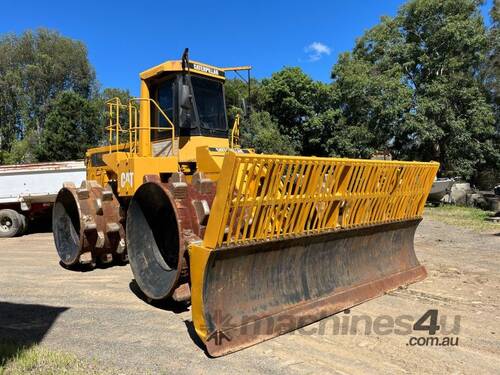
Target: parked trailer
x=29 y=190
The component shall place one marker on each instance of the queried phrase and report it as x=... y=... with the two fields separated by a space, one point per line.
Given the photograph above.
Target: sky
x=126 y=37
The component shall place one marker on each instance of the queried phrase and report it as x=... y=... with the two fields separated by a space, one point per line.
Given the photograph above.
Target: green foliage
x=237 y=97
x=34 y=68
x=73 y=125
x=110 y=93
x=373 y=103
x=260 y=132
x=235 y=90
x=50 y=108
x=492 y=68
x=422 y=85
x=341 y=139
x=293 y=99
x=308 y=118
x=467 y=217
x=23 y=151
x=414 y=83
x=16 y=359
x=124 y=97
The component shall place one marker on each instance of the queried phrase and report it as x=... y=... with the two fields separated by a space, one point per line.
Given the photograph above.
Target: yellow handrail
x=133 y=118
x=235 y=132
x=115 y=128
x=169 y=122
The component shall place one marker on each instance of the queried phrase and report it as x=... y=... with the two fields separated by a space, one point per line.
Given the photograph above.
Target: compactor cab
x=181 y=108
x=258 y=244
x=190 y=97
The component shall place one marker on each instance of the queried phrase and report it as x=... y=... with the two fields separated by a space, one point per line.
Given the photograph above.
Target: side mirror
x=185 y=97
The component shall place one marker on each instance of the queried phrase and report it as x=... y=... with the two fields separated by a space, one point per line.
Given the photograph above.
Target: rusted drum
x=87 y=225
x=153 y=241
x=162 y=220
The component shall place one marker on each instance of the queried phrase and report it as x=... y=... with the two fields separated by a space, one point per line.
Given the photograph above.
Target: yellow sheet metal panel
x=145 y=122
x=220 y=207
x=188 y=146
x=198 y=257
x=107 y=148
x=263 y=197
x=131 y=171
x=207 y=162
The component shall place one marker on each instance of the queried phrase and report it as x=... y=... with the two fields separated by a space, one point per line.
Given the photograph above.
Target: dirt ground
x=95 y=315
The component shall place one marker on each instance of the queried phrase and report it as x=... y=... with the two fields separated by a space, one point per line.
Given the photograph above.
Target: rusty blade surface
x=255 y=292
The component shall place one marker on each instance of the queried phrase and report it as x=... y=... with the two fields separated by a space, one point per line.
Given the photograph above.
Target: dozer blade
x=291 y=240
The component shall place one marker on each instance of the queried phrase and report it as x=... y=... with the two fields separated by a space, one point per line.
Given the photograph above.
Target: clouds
x=316 y=50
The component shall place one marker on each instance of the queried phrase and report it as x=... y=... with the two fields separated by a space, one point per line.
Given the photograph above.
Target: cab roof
x=176 y=66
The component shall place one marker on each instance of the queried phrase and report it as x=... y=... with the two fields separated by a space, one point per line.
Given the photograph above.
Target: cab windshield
x=209 y=99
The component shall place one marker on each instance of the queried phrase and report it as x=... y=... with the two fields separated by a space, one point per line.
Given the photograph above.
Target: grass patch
x=468 y=217
x=17 y=360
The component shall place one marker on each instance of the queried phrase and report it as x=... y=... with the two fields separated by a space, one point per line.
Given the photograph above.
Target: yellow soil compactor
x=259 y=244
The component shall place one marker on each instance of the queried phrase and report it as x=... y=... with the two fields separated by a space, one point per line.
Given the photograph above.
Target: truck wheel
x=10 y=223
x=24 y=224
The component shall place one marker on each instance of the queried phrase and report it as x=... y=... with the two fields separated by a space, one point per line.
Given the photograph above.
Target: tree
x=297 y=115
x=109 y=94
x=293 y=100
x=34 y=68
x=413 y=81
x=260 y=132
x=236 y=93
x=73 y=125
x=22 y=151
x=492 y=69
x=237 y=98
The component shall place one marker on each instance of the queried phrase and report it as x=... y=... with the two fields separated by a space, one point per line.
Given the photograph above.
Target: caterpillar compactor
x=259 y=244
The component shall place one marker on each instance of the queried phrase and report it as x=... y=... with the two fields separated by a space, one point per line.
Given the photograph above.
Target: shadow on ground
x=173 y=306
x=194 y=336
x=41 y=222
x=22 y=326
x=168 y=304
x=92 y=266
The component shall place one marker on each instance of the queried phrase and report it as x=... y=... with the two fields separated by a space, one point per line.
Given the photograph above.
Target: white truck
x=29 y=190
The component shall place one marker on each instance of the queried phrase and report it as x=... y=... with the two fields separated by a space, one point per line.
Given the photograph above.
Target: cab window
x=209 y=99
x=165 y=99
